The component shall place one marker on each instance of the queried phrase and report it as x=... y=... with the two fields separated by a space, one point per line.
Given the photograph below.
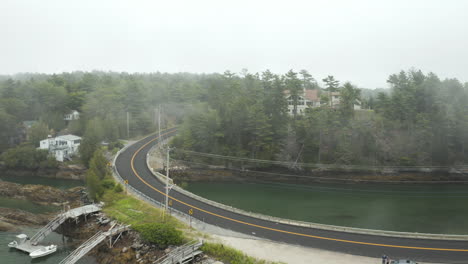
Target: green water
x=431 y=208
x=8 y=255
x=27 y=206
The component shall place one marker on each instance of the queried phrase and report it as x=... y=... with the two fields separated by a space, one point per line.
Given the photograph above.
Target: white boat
x=13 y=244
x=43 y=251
x=20 y=239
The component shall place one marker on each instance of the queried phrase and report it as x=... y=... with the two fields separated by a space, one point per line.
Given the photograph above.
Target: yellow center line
x=274 y=229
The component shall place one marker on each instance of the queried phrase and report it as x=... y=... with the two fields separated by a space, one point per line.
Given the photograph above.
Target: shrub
x=161 y=234
x=230 y=255
x=95 y=188
x=108 y=184
x=115 y=145
x=118 y=188
x=28 y=157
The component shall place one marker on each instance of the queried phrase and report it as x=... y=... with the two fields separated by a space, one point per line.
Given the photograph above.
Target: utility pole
x=155 y=116
x=159 y=123
x=128 y=124
x=167 y=178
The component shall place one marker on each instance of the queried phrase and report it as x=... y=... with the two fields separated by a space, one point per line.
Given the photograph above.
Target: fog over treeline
x=419 y=120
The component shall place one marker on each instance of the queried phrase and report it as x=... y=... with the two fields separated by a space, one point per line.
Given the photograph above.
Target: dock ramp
x=89 y=244
x=183 y=254
x=59 y=219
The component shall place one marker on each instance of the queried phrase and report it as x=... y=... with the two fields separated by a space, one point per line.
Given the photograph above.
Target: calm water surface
x=433 y=208
x=8 y=255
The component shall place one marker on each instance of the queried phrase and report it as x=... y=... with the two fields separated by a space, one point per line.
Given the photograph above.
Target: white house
x=336 y=97
x=62 y=147
x=308 y=98
x=73 y=115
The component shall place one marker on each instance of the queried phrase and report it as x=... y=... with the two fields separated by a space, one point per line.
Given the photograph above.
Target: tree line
x=112 y=106
x=420 y=120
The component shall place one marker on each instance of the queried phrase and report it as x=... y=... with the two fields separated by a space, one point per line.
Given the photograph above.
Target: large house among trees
x=62 y=147
x=311 y=99
x=308 y=98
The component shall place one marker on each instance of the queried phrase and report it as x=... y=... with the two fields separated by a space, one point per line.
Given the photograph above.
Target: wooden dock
x=31 y=245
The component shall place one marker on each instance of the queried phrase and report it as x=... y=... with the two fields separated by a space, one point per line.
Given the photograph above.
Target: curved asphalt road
x=131 y=165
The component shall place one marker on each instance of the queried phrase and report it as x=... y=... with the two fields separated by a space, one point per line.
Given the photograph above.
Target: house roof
x=68 y=137
x=312 y=95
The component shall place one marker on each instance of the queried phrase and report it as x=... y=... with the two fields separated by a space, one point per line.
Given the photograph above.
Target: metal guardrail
x=276 y=219
x=144 y=197
x=162 y=178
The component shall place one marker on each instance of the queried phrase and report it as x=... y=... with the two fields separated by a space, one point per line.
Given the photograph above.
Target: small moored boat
x=43 y=251
x=20 y=239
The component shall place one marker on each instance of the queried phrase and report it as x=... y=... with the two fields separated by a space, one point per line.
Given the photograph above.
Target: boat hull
x=43 y=252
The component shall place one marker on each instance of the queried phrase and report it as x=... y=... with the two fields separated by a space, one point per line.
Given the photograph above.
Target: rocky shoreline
x=67 y=172
x=182 y=171
x=41 y=194
x=129 y=248
x=11 y=219
x=186 y=174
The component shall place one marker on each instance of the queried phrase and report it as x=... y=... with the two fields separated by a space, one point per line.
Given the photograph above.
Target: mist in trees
x=420 y=120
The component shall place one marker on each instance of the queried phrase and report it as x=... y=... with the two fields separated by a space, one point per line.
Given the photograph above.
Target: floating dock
x=29 y=245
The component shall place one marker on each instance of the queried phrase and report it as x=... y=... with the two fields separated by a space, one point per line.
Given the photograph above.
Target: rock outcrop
x=40 y=194
x=10 y=219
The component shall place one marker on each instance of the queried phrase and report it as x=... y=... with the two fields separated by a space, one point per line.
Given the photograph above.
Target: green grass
x=129 y=210
x=231 y=255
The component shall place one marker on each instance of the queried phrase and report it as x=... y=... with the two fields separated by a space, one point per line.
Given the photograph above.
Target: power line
x=318 y=177
x=312 y=165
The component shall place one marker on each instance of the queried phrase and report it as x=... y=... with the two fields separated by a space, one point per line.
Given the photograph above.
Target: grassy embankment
x=129 y=210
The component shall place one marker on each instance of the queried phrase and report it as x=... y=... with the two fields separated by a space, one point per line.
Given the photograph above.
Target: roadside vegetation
x=231 y=255
x=164 y=230
x=152 y=223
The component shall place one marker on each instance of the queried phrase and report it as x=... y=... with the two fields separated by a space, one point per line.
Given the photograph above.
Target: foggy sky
x=358 y=41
